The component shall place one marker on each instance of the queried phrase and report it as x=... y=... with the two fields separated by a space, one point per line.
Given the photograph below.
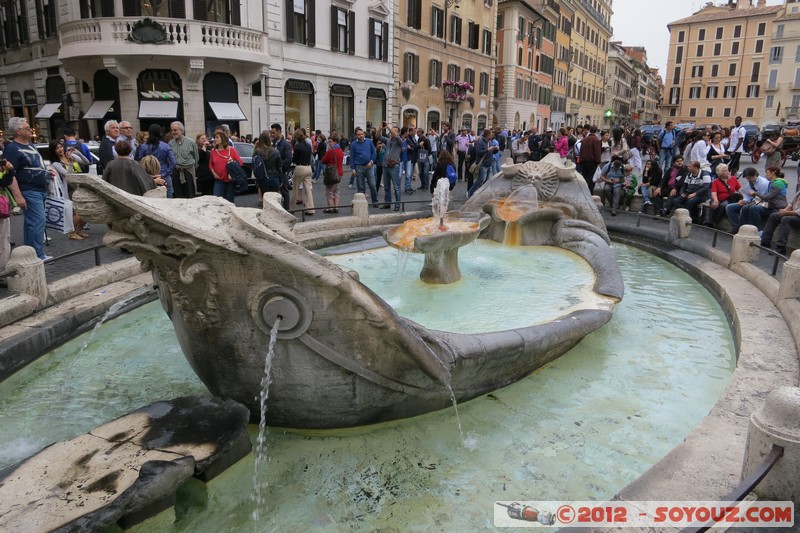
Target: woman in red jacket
x=333 y=156
x=221 y=155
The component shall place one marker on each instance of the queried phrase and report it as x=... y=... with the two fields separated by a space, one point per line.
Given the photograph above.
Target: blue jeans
x=495 y=166
x=365 y=176
x=755 y=215
x=33 y=231
x=665 y=158
x=483 y=175
x=170 y=190
x=424 y=176
x=391 y=180
x=317 y=170
x=225 y=190
x=408 y=170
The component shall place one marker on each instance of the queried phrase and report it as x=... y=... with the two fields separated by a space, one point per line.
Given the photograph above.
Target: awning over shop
x=158 y=109
x=227 y=111
x=48 y=110
x=98 y=110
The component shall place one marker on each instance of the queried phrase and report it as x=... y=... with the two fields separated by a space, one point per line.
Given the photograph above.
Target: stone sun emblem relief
x=540 y=174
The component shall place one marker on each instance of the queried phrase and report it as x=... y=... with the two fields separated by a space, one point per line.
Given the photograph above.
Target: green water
x=529 y=285
x=580 y=428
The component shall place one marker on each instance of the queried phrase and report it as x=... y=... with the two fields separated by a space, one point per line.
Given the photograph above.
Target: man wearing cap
x=463 y=140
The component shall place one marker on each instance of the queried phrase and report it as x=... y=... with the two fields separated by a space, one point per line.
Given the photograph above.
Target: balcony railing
x=187 y=35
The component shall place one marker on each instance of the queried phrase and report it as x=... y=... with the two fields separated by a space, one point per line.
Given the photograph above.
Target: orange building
x=717 y=64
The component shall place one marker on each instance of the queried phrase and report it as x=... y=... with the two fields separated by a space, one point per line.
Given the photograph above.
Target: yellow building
x=439 y=41
x=591 y=31
x=782 y=98
x=718 y=62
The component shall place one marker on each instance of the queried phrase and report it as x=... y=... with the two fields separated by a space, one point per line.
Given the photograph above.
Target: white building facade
x=78 y=63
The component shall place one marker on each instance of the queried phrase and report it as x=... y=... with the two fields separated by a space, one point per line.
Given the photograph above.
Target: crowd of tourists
x=696 y=170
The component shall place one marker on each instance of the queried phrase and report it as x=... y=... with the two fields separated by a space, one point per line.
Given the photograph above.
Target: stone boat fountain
x=344 y=357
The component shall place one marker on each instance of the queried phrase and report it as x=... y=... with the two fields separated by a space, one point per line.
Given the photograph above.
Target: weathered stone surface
x=120 y=468
x=343 y=356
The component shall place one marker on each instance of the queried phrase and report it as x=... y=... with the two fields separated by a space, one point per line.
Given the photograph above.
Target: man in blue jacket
x=483 y=155
x=32 y=178
x=362 y=163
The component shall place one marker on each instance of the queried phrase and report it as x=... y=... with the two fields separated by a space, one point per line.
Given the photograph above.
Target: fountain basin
x=345 y=357
x=439 y=241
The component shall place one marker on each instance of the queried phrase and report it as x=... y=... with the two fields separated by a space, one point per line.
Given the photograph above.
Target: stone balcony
x=106 y=37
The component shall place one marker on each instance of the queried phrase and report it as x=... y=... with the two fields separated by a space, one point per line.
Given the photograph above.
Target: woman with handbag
x=66 y=162
x=267 y=166
x=301 y=181
x=221 y=155
x=332 y=175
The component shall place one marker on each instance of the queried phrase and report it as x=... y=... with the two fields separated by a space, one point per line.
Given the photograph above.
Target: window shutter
x=334 y=28
x=289 y=18
x=84 y=7
x=311 y=22
x=416 y=68
x=131 y=8
x=177 y=9
x=351 y=33
x=199 y=9
x=236 y=13
x=108 y=8
x=385 y=41
x=418 y=15
x=371 y=36
x=433 y=21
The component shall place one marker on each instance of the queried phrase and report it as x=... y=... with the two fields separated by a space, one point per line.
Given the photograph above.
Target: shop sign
x=299 y=86
x=338 y=89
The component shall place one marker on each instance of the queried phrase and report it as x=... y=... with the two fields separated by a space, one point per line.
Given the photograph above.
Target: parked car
x=245 y=151
x=650 y=131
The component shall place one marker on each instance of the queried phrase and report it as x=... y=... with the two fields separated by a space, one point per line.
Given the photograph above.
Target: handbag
x=473 y=168
x=58 y=210
x=5 y=206
x=331 y=176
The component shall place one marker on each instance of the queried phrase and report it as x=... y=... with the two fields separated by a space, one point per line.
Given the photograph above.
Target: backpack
x=452 y=175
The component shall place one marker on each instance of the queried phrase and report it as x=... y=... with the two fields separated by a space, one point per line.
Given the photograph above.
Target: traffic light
x=609 y=113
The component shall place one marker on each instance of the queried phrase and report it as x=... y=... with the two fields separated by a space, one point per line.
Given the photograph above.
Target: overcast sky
x=644 y=23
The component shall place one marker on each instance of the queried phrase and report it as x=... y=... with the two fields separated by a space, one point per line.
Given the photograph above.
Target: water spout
x=261 y=451
x=441 y=202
